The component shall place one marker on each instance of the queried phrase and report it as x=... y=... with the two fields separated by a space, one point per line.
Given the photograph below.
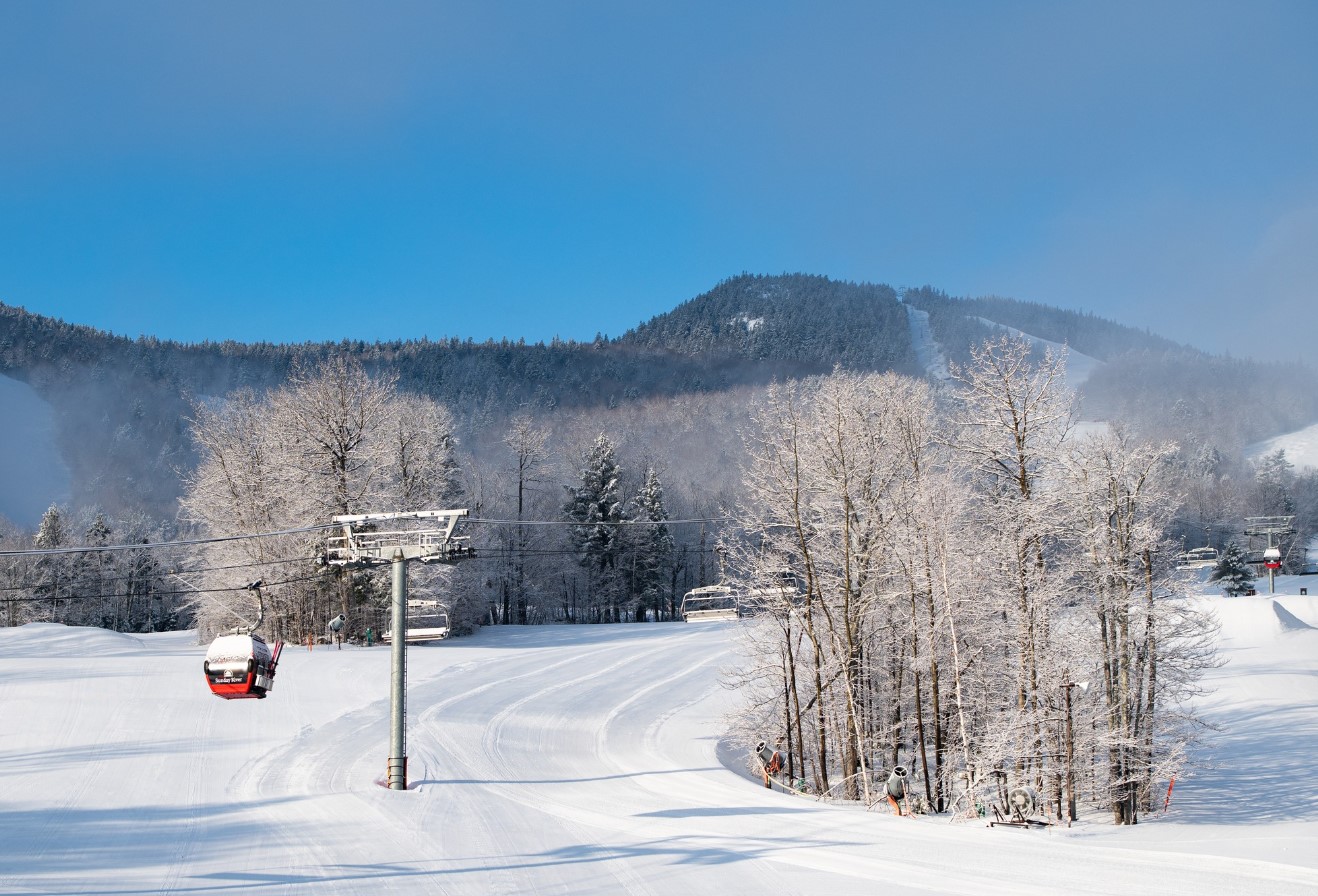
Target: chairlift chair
x=1197 y=558
x=427 y=620
x=710 y=603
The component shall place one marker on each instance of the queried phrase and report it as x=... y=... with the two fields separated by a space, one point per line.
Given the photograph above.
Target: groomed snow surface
x=1301 y=447
x=574 y=760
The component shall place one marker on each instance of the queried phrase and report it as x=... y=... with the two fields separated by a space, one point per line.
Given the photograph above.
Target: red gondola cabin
x=241 y=666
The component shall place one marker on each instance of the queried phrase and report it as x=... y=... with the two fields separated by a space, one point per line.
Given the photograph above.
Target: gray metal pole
x=398 y=681
x=1070 y=760
x=1272 y=573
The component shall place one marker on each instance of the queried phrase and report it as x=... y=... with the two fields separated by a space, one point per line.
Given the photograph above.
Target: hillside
x=120 y=406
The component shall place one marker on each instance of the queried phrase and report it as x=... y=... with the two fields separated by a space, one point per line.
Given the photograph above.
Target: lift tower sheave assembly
x=429 y=538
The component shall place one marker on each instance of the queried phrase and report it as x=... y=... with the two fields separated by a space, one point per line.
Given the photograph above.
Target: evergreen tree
x=91 y=574
x=653 y=548
x=597 y=508
x=1236 y=576
x=52 y=570
x=1273 y=475
x=51 y=532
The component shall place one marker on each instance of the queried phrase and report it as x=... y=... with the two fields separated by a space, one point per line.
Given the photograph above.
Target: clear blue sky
x=310 y=171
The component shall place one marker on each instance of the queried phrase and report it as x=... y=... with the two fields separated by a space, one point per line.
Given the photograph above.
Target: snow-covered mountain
x=928 y=353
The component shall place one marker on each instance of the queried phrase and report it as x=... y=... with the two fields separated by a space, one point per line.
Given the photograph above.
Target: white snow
x=1079 y=366
x=581 y=759
x=928 y=353
x=1301 y=447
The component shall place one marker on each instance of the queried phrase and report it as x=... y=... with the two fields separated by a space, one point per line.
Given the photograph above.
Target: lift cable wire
x=506 y=553
x=178 y=572
x=218 y=539
x=152 y=545
x=712 y=519
x=47 y=598
x=485 y=555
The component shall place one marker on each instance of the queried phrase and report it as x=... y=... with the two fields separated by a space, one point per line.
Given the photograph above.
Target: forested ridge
x=122 y=403
x=812 y=321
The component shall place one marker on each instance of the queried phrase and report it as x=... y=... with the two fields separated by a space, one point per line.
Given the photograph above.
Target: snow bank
x=1289 y=621
x=57 y=639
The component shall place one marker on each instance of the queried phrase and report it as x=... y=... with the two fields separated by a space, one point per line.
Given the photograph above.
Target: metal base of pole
x=396 y=773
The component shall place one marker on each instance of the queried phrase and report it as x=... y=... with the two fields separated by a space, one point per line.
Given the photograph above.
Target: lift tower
x=429 y=538
x=1274 y=528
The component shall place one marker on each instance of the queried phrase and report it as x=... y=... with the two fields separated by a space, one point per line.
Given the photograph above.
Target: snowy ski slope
x=571 y=760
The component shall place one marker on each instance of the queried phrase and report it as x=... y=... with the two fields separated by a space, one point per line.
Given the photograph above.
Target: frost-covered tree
x=420 y=470
x=94 y=578
x=821 y=484
x=1273 y=477
x=95 y=574
x=53 y=572
x=927 y=554
x=956 y=581
x=16 y=575
x=335 y=440
x=329 y=422
x=1013 y=415
x=52 y=531
x=1149 y=641
x=1214 y=494
x=527 y=440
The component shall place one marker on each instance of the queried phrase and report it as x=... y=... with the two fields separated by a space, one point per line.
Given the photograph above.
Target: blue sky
x=310 y=171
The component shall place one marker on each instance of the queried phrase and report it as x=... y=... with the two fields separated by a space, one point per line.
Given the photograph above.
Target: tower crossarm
x=362 y=543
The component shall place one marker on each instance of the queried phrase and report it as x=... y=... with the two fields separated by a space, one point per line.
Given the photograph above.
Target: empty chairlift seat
x=710 y=603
